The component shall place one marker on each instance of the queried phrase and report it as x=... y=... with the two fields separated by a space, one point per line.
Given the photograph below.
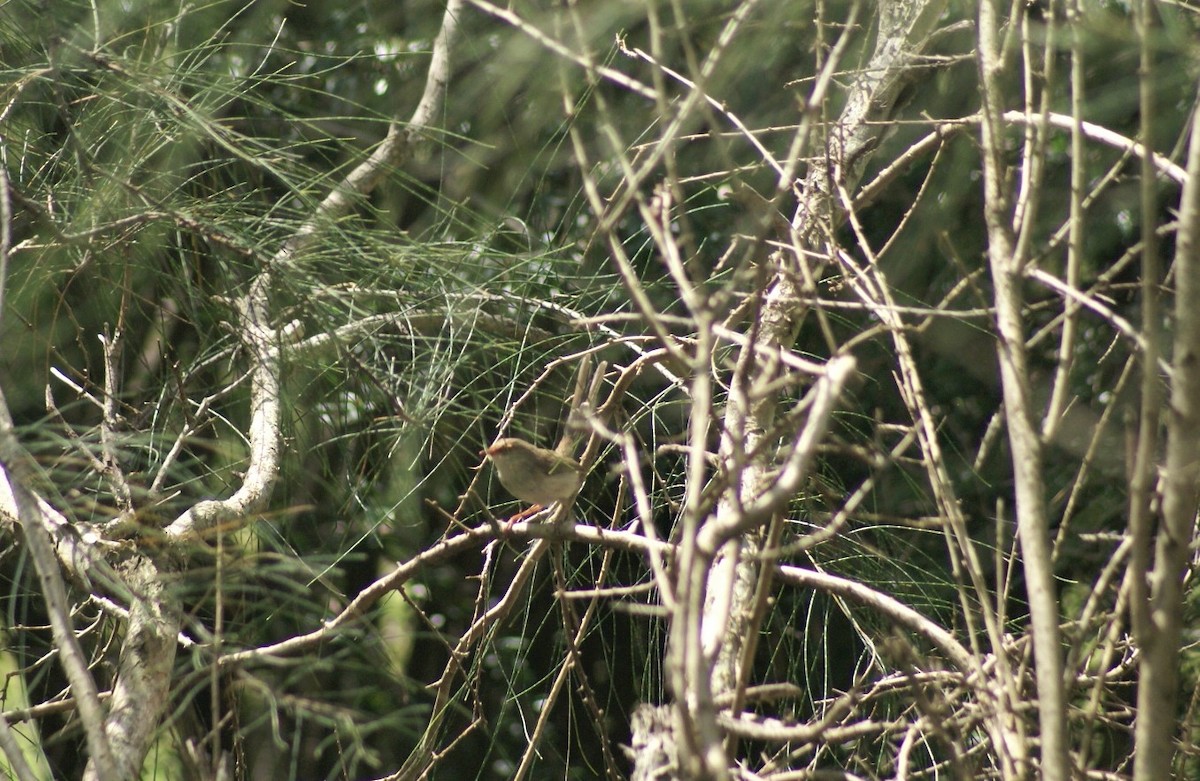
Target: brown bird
x=534 y=474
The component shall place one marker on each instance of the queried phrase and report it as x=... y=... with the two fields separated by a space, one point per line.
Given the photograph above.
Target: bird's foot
x=511 y=522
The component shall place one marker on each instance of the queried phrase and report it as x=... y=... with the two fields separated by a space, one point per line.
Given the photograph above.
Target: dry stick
x=641 y=498
x=1160 y=643
x=1105 y=136
x=141 y=688
x=1113 y=271
x=728 y=576
x=758 y=604
x=422 y=757
x=5 y=213
x=1008 y=729
x=888 y=606
x=14 y=756
x=794 y=470
x=945 y=130
x=610 y=211
x=1112 y=635
x=964 y=660
x=1033 y=154
x=688 y=669
x=446 y=548
x=14 y=471
x=1032 y=525
x=41 y=549
x=689 y=678
x=609 y=218
x=585 y=395
x=633 y=474
x=911 y=208
x=44 y=709
x=573 y=663
x=562 y=51
x=849 y=507
x=1079 y=481
x=1072 y=295
x=734 y=578
x=1075 y=249
x=683 y=113
x=717 y=105
x=113 y=346
x=1145 y=471
x=756 y=727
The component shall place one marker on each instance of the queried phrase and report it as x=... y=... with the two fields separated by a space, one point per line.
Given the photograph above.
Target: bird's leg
x=511 y=522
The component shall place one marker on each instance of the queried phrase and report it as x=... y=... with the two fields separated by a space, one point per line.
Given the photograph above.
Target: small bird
x=534 y=474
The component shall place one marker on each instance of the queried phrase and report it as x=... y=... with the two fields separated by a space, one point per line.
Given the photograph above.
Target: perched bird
x=534 y=474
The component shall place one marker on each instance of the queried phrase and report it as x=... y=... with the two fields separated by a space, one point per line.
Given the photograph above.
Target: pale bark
x=1032 y=523
x=719 y=574
x=1158 y=684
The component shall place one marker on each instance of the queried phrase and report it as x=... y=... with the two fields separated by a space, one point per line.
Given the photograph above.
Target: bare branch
x=1159 y=667
x=1032 y=523
x=262 y=339
x=13 y=474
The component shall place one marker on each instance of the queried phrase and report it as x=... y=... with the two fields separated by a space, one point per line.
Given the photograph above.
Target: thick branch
x=262 y=339
x=1032 y=524
x=14 y=466
x=1158 y=687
